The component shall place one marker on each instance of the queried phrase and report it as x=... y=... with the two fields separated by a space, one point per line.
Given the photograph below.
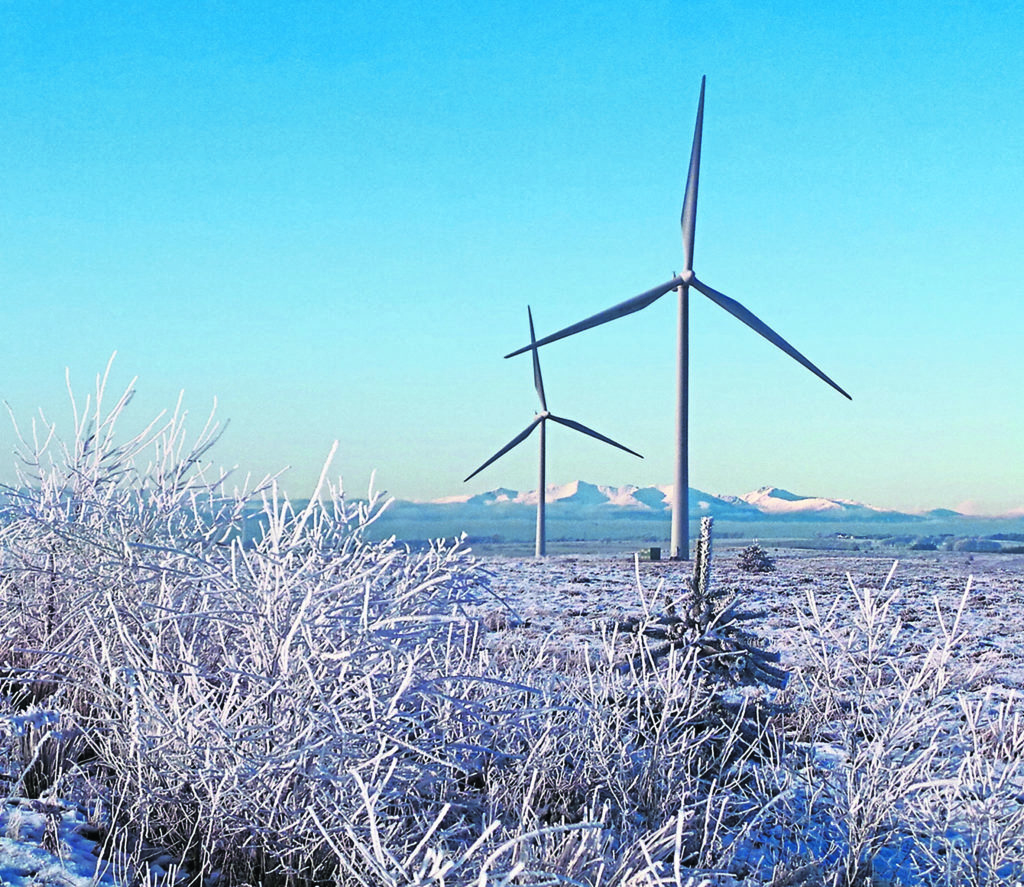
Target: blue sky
x=331 y=217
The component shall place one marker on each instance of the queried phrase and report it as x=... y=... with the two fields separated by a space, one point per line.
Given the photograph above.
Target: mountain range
x=657 y=501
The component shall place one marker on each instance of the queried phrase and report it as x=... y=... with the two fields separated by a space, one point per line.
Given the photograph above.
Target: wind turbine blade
x=759 y=326
x=688 y=219
x=538 y=381
x=568 y=423
x=518 y=439
x=616 y=311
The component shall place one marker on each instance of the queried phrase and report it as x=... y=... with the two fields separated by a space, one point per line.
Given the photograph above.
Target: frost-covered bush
x=894 y=773
x=232 y=692
x=754 y=559
x=708 y=621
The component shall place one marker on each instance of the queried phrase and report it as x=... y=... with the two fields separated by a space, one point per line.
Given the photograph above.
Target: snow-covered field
x=562 y=600
x=912 y=672
x=564 y=605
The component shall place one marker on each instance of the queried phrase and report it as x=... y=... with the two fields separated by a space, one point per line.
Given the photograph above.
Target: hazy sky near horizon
x=331 y=217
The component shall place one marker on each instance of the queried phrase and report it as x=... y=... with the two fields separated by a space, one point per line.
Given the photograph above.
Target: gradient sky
x=332 y=216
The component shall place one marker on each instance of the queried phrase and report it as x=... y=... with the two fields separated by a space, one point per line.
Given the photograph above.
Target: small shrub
x=707 y=619
x=754 y=559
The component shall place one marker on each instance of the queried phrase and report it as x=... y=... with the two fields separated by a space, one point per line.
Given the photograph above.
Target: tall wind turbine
x=680 y=544
x=539 y=420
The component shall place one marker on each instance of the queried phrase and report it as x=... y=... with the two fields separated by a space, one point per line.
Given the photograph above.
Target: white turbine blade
x=568 y=423
x=688 y=219
x=616 y=311
x=538 y=381
x=518 y=439
x=759 y=326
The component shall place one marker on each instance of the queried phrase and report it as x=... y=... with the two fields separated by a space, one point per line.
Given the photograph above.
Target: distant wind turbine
x=539 y=420
x=680 y=544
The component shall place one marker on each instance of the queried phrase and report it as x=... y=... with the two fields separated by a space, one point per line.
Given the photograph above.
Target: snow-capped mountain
x=777 y=502
x=600 y=512
x=766 y=502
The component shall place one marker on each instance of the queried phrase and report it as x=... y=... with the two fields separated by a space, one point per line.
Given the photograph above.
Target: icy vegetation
x=754 y=559
x=301 y=706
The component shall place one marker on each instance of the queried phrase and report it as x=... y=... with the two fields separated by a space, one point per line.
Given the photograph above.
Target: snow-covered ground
x=50 y=844
x=562 y=603
x=567 y=603
x=562 y=599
